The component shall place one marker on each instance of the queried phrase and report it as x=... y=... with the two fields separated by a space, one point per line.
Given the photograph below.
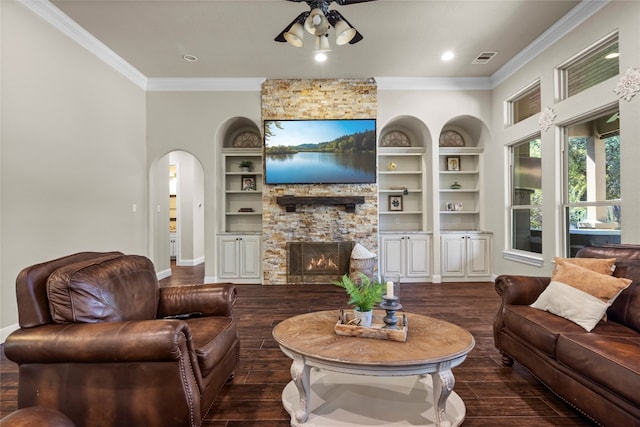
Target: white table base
x=338 y=399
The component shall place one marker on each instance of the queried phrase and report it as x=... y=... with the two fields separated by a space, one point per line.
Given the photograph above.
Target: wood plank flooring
x=494 y=395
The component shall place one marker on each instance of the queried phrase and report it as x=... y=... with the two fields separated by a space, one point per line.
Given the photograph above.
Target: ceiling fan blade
x=356 y=38
x=300 y=19
x=347 y=2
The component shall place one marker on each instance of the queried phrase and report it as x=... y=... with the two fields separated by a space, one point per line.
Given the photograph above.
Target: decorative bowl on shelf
x=455 y=185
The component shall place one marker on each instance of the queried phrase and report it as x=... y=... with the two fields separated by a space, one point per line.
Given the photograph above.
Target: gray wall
x=73 y=152
x=623 y=16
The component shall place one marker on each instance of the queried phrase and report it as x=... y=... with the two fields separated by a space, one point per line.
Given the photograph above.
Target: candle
x=389 y=289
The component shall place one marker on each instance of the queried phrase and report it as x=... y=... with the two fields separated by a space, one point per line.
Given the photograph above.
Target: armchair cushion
x=112 y=288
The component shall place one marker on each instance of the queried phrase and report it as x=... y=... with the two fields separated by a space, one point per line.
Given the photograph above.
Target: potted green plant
x=364 y=294
x=246 y=165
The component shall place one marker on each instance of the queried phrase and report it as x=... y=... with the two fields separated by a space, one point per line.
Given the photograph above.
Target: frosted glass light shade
x=294 y=35
x=344 y=33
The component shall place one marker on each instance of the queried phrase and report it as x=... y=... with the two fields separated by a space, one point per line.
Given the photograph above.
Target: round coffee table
x=347 y=364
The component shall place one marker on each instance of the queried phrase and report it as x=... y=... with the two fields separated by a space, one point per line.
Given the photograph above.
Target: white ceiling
x=234 y=39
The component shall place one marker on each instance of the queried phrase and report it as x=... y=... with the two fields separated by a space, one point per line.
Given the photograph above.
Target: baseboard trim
x=189 y=262
x=163 y=274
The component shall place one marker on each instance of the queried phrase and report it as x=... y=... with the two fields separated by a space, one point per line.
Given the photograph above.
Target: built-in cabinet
x=405 y=243
x=459 y=188
x=240 y=244
x=240 y=258
x=407 y=255
x=242 y=190
x=465 y=256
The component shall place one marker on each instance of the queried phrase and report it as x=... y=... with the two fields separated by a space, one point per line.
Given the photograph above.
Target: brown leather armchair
x=102 y=343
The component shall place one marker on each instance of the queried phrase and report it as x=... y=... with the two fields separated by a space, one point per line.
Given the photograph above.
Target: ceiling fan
x=317 y=21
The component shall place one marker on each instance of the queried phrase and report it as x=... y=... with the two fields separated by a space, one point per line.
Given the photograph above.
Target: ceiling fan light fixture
x=294 y=35
x=344 y=32
x=316 y=23
x=322 y=44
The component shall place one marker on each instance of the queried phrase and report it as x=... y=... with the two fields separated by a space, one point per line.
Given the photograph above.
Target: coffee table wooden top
x=429 y=341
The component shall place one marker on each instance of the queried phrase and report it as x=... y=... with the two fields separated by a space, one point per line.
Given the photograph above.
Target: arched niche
x=473 y=131
x=414 y=129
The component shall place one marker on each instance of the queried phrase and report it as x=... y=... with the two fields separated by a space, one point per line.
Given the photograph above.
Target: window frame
x=561 y=73
x=512 y=206
x=510 y=103
x=566 y=205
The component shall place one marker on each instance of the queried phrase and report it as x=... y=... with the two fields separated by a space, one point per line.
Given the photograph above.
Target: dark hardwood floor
x=494 y=395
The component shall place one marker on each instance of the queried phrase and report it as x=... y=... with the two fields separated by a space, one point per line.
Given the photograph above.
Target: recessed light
x=190 y=58
x=447 y=56
x=612 y=55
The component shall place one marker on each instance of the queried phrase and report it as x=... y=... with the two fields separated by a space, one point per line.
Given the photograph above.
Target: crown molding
x=433 y=83
x=204 y=84
x=54 y=16
x=576 y=16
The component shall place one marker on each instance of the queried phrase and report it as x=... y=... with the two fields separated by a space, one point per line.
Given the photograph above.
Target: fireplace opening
x=317 y=262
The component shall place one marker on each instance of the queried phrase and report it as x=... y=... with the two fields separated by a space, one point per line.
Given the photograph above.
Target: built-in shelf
x=349 y=202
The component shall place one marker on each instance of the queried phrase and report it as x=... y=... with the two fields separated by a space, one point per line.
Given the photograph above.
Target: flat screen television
x=337 y=151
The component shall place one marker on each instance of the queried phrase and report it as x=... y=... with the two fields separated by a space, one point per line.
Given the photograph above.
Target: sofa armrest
x=208 y=299
x=132 y=341
x=520 y=290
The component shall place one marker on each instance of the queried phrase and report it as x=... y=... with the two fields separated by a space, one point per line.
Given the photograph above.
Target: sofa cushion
x=599 y=265
x=608 y=356
x=536 y=327
x=212 y=338
x=108 y=289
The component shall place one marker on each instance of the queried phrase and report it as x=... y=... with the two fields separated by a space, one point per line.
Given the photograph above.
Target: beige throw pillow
x=599 y=285
x=599 y=265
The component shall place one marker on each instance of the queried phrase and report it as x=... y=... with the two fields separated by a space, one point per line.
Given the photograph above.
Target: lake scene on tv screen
x=320 y=151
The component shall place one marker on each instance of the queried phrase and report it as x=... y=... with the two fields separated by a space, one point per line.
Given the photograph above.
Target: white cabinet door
x=453 y=255
x=466 y=255
x=250 y=261
x=392 y=256
x=228 y=265
x=239 y=257
x=478 y=255
x=407 y=255
x=417 y=250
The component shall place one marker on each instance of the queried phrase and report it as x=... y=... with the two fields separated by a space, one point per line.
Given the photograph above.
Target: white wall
x=73 y=152
x=621 y=16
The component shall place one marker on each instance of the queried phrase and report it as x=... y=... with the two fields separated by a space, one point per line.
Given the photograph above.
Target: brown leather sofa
x=596 y=372
x=102 y=343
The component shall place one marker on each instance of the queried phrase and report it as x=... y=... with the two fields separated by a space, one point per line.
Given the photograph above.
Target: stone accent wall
x=316 y=99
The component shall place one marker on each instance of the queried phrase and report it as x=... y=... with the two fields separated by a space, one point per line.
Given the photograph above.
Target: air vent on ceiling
x=484 y=57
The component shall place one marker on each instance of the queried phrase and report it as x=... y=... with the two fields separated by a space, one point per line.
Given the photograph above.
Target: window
x=595 y=65
x=525 y=104
x=592 y=193
x=526 y=196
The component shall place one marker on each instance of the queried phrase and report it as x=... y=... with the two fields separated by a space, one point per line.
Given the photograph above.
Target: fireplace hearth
x=317 y=262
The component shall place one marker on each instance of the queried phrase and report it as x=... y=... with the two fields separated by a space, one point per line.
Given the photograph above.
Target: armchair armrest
x=132 y=341
x=208 y=299
x=520 y=290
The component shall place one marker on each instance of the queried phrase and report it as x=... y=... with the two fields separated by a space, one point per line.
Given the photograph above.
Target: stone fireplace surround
x=316 y=99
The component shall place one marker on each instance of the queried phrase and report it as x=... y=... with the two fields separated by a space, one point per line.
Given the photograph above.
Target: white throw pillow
x=573 y=304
